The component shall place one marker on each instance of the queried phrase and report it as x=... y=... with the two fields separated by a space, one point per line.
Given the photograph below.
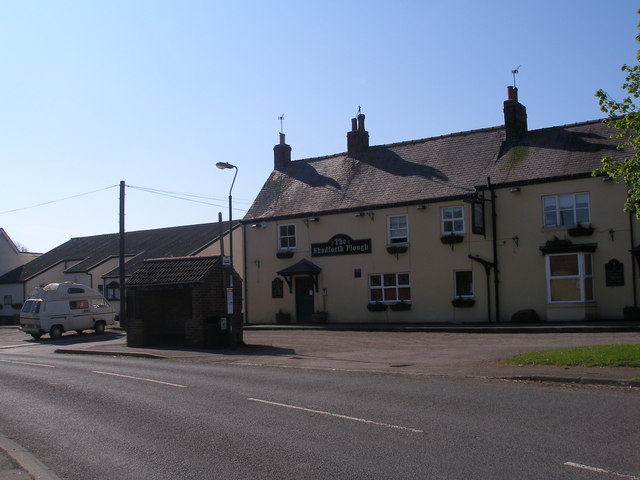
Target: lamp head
x=224 y=165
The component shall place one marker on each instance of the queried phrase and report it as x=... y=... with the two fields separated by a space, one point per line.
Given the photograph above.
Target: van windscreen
x=31 y=306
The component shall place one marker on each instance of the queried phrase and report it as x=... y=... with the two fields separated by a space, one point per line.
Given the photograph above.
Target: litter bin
x=217 y=332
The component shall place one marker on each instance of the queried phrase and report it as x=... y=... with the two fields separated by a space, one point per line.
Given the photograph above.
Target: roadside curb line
x=109 y=352
x=26 y=461
x=580 y=380
x=527 y=378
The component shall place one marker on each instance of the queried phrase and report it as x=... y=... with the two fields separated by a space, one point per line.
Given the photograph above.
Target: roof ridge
x=447 y=135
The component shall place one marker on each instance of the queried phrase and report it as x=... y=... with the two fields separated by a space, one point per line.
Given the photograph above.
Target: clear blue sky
x=155 y=92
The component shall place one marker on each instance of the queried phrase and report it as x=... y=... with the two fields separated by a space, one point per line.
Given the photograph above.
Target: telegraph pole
x=123 y=293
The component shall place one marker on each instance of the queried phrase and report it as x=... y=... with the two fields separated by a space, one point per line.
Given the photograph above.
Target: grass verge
x=627 y=355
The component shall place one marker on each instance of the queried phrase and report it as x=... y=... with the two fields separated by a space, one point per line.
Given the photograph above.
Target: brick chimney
x=515 y=115
x=281 y=155
x=358 y=137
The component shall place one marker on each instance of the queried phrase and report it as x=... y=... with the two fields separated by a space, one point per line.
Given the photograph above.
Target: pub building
x=498 y=224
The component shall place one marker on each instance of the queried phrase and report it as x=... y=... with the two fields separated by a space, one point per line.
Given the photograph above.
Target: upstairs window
x=566 y=210
x=398 y=229
x=452 y=220
x=287 y=237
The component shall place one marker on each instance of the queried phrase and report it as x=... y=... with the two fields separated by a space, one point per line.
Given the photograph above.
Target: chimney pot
x=281 y=155
x=515 y=115
x=358 y=137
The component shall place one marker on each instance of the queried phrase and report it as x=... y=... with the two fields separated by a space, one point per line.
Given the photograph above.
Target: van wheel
x=99 y=327
x=56 y=332
x=36 y=335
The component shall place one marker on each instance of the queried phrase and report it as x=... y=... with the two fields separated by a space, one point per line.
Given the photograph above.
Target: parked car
x=61 y=307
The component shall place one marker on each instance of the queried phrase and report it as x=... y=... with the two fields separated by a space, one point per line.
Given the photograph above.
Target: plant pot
x=401 y=306
x=376 y=307
x=396 y=249
x=463 y=302
x=631 y=314
x=283 y=318
x=319 y=317
x=451 y=239
x=580 y=231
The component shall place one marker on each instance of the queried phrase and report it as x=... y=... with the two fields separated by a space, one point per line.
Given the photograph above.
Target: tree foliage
x=624 y=117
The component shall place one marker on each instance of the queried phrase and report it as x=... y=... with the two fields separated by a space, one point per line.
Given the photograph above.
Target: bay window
x=569 y=277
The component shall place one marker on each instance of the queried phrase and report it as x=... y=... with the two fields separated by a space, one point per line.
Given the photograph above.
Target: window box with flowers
x=580 y=230
x=376 y=307
x=400 y=306
x=451 y=239
x=461 y=302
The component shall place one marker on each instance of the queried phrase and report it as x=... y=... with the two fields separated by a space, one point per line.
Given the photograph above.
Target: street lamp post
x=226 y=166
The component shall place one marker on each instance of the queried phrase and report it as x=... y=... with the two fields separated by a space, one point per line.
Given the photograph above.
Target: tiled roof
x=139 y=245
x=173 y=271
x=431 y=169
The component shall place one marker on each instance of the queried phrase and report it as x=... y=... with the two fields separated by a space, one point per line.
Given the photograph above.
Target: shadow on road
x=79 y=338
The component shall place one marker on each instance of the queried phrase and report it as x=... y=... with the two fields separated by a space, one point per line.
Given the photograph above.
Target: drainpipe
x=244 y=270
x=494 y=230
x=633 y=263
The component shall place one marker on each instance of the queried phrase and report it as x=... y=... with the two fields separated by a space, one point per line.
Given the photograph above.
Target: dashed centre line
x=600 y=470
x=28 y=363
x=139 y=378
x=337 y=415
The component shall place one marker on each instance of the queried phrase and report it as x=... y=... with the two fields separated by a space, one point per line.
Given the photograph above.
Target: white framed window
x=389 y=287
x=113 y=291
x=569 y=277
x=566 y=210
x=463 y=284
x=398 y=229
x=8 y=300
x=286 y=237
x=452 y=220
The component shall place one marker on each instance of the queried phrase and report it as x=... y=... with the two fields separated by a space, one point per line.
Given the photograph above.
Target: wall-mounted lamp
x=262 y=224
x=516 y=240
x=515 y=189
x=314 y=219
x=607 y=179
x=360 y=214
x=422 y=207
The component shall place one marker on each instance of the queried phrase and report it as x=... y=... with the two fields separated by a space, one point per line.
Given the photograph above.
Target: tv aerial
x=281 y=118
x=514 y=72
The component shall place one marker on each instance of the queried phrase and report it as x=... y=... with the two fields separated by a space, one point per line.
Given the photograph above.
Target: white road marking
x=139 y=378
x=28 y=363
x=600 y=470
x=18 y=346
x=337 y=415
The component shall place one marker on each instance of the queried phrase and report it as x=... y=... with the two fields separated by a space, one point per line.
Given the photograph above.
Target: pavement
x=442 y=350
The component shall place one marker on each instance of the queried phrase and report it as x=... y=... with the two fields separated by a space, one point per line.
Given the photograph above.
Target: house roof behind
x=89 y=252
x=173 y=271
x=431 y=169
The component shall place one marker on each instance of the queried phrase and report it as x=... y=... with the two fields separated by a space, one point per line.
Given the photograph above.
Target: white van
x=60 y=307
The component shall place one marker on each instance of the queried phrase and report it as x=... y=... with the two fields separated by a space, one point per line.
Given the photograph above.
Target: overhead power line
x=58 y=200
x=180 y=196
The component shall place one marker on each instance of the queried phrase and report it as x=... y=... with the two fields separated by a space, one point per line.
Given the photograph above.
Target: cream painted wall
x=431 y=264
